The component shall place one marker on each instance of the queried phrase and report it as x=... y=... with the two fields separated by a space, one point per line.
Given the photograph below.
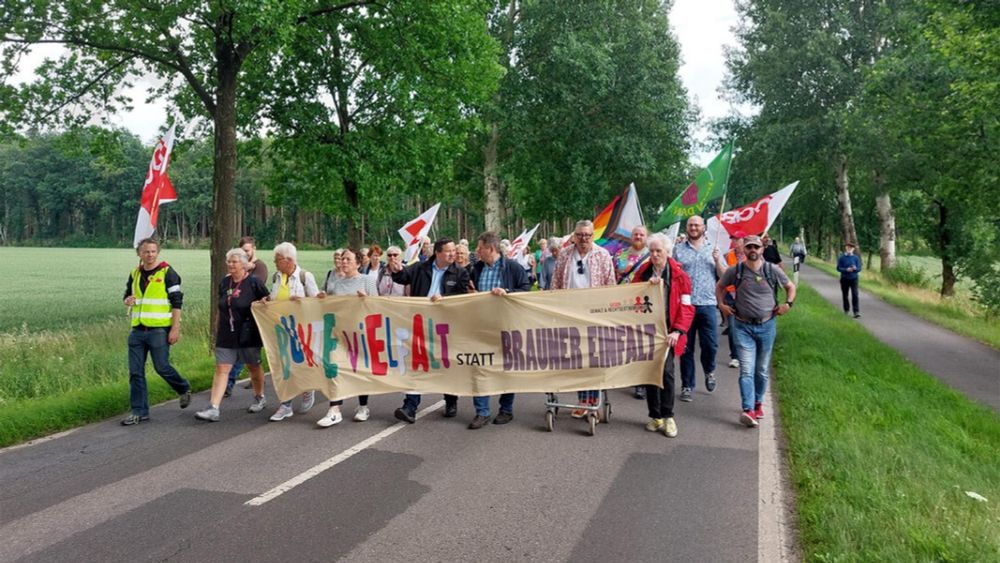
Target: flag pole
x=722 y=209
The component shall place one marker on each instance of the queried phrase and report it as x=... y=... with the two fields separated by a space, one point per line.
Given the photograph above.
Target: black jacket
x=418 y=276
x=513 y=277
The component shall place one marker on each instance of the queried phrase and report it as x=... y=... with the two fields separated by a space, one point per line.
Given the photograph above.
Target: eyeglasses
x=579 y=266
x=584 y=235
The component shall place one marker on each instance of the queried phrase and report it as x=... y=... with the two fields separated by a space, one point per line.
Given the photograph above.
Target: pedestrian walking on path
x=849 y=266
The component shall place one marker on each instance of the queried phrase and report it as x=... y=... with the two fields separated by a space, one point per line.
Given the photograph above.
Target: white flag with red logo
x=157 y=190
x=521 y=242
x=753 y=219
x=413 y=233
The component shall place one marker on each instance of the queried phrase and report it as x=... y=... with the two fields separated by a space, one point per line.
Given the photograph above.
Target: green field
x=60 y=288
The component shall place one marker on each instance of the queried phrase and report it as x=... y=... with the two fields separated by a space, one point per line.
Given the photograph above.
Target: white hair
x=239 y=253
x=662 y=239
x=287 y=250
x=555 y=241
x=394 y=248
x=585 y=223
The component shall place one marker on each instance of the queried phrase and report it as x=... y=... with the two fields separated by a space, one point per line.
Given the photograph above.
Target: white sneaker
x=332 y=417
x=308 y=400
x=210 y=414
x=670 y=428
x=734 y=363
x=257 y=405
x=283 y=412
x=361 y=414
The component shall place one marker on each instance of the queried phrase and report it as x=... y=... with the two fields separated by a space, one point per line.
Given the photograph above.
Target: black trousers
x=852 y=287
x=661 y=401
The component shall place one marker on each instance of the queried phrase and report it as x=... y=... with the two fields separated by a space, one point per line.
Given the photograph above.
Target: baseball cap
x=752 y=239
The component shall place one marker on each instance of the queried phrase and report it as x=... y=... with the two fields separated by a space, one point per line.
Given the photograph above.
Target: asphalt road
x=962 y=363
x=177 y=488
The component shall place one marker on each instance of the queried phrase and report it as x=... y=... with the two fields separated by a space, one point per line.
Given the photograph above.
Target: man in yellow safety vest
x=153 y=296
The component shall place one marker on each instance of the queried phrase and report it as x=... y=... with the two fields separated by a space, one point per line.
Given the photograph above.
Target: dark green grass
x=881 y=453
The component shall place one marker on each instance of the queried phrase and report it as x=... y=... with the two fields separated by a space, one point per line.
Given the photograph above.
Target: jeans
x=153 y=342
x=731 y=301
x=234 y=373
x=482 y=404
x=754 y=343
x=852 y=287
x=703 y=326
x=411 y=402
x=661 y=401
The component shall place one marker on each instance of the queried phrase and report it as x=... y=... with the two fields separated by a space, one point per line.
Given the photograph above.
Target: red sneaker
x=748 y=419
x=758 y=411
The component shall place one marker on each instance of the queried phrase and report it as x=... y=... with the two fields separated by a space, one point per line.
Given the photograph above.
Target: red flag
x=414 y=232
x=157 y=189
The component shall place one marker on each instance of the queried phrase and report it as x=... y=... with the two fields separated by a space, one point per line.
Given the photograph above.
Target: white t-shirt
x=576 y=279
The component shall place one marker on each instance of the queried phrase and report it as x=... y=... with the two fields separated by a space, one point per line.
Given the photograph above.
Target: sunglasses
x=579 y=266
x=392 y=254
x=752 y=246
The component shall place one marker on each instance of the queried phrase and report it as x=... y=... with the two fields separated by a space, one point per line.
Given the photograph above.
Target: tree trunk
x=886 y=223
x=223 y=182
x=492 y=212
x=844 y=199
x=353 y=233
x=944 y=242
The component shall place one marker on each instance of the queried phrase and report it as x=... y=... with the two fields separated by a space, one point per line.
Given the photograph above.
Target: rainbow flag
x=613 y=226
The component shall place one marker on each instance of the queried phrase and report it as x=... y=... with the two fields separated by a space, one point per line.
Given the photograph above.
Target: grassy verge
x=55 y=380
x=957 y=314
x=881 y=454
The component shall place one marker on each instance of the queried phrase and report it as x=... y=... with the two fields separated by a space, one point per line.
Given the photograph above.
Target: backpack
x=276 y=278
x=772 y=280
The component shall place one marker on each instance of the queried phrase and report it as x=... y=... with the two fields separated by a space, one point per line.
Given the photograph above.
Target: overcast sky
x=703 y=28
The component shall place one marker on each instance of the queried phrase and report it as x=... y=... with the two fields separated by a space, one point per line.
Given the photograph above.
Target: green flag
x=710 y=184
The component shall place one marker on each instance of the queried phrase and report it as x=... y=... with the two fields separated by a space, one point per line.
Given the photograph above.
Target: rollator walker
x=594 y=412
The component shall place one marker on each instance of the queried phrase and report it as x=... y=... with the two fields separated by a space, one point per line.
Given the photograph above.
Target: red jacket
x=681 y=309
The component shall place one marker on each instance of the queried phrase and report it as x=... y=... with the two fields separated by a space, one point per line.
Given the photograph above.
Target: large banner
x=477 y=344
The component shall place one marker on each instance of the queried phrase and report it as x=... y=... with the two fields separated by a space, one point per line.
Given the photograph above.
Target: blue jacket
x=844 y=262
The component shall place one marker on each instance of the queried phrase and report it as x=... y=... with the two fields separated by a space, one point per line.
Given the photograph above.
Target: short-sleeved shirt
x=754 y=296
x=340 y=285
x=235 y=301
x=626 y=259
x=700 y=267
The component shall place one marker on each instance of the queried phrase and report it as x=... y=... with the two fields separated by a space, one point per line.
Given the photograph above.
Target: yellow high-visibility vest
x=152 y=308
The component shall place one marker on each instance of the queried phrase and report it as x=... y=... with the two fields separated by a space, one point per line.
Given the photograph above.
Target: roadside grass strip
x=958 y=314
x=887 y=462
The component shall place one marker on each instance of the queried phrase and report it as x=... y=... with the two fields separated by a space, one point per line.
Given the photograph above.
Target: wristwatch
x=789 y=303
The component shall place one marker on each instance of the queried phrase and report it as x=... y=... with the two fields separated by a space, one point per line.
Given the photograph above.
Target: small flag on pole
x=157 y=189
x=521 y=242
x=413 y=233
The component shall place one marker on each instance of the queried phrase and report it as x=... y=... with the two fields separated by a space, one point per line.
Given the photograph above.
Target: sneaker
x=283 y=412
x=579 y=413
x=229 y=391
x=332 y=417
x=654 y=424
x=308 y=400
x=133 y=419
x=670 y=428
x=257 y=405
x=450 y=410
x=185 y=399
x=758 y=411
x=640 y=392
x=710 y=382
x=857 y=315
x=405 y=415
x=503 y=417
x=479 y=422
x=748 y=419
x=734 y=363
x=210 y=414
x=361 y=414
x=686 y=394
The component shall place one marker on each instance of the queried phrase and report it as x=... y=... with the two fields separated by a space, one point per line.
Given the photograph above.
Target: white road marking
x=775 y=541
x=344 y=455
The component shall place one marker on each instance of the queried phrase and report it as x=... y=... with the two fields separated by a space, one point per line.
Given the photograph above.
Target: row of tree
x=887 y=112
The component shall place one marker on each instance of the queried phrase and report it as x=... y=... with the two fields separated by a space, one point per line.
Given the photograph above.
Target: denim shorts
x=231 y=356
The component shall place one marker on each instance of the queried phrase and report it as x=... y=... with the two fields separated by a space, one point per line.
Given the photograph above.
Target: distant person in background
x=849 y=266
x=771 y=253
x=798 y=251
x=540 y=255
x=237 y=340
x=462 y=257
x=362 y=259
x=549 y=263
x=292 y=282
x=374 y=260
x=258 y=269
x=383 y=281
x=154 y=299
